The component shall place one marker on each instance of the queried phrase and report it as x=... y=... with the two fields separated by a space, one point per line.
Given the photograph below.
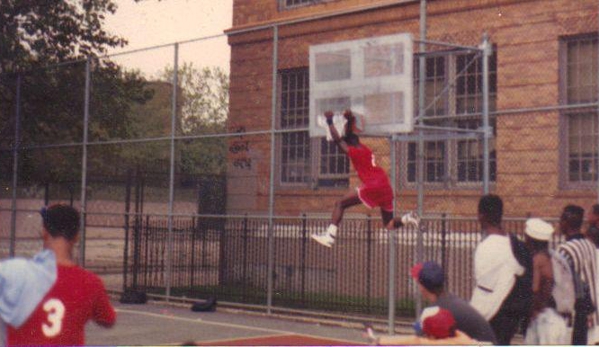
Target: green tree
x=204 y=110
x=35 y=35
x=42 y=32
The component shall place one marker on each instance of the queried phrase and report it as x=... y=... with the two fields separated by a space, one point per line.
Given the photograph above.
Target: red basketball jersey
x=77 y=296
x=364 y=162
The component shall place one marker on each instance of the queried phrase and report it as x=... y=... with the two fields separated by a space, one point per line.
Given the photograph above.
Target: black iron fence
x=227 y=257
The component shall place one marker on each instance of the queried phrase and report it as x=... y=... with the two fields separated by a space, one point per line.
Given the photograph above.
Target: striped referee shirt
x=581 y=254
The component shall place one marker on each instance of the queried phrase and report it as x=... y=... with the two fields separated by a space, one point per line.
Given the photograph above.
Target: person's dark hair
x=573 y=215
x=61 y=221
x=593 y=235
x=350 y=136
x=595 y=209
x=437 y=290
x=491 y=207
x=351 y=139
x=535 y=245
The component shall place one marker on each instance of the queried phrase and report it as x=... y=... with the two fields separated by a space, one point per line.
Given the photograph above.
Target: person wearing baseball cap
x=546 y=325
x=436 y=326
x=430 y=278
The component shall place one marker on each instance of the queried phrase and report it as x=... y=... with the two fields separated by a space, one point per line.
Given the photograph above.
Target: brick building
x=543 y=94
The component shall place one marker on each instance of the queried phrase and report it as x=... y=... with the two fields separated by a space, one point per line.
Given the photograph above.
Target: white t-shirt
x=495 y=268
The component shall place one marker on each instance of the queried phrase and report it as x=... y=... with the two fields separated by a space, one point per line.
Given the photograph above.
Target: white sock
x=332 y=230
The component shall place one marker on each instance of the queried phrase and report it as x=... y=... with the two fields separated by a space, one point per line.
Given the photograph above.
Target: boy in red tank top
x=76 y=296
x=375 y=190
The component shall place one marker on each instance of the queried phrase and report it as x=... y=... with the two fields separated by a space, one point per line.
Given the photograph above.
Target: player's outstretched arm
x=338 y=140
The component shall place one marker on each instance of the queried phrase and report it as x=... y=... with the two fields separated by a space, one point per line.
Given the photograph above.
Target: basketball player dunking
x=375 y=190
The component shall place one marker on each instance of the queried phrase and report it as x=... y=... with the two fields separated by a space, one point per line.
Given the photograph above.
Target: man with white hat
x=546 y=325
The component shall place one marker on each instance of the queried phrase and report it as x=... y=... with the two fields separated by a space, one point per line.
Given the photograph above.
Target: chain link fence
x=196 y=174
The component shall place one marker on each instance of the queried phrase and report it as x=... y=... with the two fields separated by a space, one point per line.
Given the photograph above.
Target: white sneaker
x=370 y=335
x=324 y=239
x=411 y=218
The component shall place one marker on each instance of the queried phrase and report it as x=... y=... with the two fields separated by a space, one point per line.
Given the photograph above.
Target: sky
x=151 y=22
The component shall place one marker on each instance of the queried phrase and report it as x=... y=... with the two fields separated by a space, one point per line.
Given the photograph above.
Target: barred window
x=296 y=162
x=579 y=86
x=579 y=70
x=290 y=4
x=454 y=161
x=295 y=146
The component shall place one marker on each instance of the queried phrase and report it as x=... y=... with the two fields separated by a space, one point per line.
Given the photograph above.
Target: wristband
x=330 y=121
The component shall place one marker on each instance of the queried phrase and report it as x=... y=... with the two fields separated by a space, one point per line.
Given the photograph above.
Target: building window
x=330 y=168
x=454 y=161
x=579 y=86
x=291 y=4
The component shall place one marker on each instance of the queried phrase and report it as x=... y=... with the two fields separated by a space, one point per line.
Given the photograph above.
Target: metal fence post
x=392 y=247
x=369 y=269
x=597 y=101
x=171 y=193
x=15 y=168
x=245 y=258
x=271 y=197
x=83 y=198
x=126 y=247
x=303 y=261
x=444 y=244
x=487 y=51
x=420 y=157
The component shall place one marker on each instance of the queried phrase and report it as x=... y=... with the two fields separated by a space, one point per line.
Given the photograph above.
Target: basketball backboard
x=371 y=76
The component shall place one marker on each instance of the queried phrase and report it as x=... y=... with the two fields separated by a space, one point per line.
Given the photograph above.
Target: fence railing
x=227 y=257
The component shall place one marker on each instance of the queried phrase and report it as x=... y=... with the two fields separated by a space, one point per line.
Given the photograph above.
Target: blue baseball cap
x=429 y=274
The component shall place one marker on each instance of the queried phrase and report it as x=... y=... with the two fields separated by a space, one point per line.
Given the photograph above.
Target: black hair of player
x=491 y=207
x=593 y=235
x=61 y=221
x=536 y=245
x=573 y=215
x=350 y=137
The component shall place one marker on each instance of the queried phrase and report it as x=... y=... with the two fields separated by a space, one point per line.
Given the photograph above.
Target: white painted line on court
x=228 y=325
x=218 y=342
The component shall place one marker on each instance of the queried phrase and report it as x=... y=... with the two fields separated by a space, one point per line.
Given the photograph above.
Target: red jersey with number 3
x=77 y=296
x=364 y=162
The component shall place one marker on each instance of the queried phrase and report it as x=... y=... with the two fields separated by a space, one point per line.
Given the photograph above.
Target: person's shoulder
x=493 y=241
x=83 y=275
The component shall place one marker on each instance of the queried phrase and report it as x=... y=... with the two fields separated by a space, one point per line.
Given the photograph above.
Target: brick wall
x=526 y=34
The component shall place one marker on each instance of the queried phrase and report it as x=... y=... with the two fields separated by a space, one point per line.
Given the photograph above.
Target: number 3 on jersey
x=55 y=310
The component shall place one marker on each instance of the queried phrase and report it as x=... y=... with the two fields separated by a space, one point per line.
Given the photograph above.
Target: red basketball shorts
x=376 y=196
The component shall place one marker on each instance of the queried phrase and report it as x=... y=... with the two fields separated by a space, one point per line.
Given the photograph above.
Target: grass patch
x=316 y=301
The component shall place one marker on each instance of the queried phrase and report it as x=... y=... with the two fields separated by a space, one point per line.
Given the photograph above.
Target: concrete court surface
x=159 y=324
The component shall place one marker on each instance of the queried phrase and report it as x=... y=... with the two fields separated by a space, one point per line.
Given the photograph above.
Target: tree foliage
x=204 y=110
x=42 y=32
x=45 y=44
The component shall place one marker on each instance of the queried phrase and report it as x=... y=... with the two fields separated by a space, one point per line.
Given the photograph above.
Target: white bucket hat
x=538 y=229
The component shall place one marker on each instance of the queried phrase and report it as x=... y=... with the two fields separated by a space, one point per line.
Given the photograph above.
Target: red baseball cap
x=437 y=323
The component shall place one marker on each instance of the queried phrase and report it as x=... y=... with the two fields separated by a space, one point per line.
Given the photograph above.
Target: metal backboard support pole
x=392 y=242
x=171 y=189
x=487 y=51
x=421 y=112
x=83 y=197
